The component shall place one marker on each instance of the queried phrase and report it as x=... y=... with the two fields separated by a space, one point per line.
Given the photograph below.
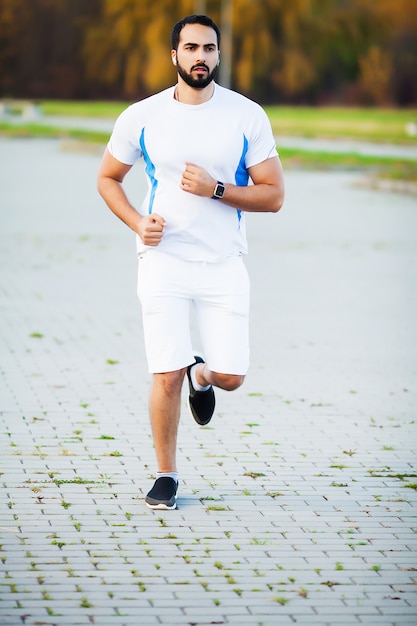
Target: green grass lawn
x=378 y=167
x=366 y=124
x=83 y=109
x=52 y=132
x=374 y=125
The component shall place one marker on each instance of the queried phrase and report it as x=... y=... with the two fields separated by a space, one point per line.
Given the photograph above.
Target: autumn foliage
x=298 y=51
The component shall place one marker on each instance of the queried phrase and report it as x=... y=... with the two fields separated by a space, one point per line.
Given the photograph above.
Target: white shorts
x=219 y=292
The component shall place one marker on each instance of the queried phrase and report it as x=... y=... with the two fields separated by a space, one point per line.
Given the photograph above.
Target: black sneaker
x=201 y=403
x=163 y=494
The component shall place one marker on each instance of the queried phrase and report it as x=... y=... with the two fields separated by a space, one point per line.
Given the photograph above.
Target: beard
x=200 y=81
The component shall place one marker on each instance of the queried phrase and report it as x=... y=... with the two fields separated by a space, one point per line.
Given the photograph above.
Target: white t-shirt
x=225 y=135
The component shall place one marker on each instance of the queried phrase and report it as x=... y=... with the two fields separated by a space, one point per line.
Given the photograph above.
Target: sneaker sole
x=161 y=506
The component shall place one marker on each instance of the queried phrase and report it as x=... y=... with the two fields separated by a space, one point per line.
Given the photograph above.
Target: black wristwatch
x=218 y=191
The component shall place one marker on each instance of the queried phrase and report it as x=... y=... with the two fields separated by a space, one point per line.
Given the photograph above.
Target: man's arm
x=265 y=195
x=109 y=184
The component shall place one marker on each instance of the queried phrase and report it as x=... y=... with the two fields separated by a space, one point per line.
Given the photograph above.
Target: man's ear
x=174 y=57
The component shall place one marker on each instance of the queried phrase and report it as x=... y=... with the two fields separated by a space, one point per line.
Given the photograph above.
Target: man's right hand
x=151 y=229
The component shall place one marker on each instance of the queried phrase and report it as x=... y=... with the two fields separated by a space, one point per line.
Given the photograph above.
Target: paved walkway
x=296 y=505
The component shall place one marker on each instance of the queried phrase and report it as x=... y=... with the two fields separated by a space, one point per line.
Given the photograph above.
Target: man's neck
x=190 y=95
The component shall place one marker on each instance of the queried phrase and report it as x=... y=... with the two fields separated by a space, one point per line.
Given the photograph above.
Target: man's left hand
x=197 y=180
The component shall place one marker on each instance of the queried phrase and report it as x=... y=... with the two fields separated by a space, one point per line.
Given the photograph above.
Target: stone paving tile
x=293 y=504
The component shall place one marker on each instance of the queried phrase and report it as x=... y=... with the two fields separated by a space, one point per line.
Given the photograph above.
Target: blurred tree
x=128 y=48
x=40 y=42
x=273 y=47
x=362 y=57
x=303 y=51
x=388 y=68
x=376 y=74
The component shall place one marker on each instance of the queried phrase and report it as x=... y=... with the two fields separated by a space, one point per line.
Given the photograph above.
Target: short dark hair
x=204 y=20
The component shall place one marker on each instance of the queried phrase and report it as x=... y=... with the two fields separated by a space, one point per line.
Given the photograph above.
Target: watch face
x=219 y=190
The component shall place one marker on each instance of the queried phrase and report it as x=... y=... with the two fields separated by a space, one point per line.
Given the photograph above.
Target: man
x=201 y=144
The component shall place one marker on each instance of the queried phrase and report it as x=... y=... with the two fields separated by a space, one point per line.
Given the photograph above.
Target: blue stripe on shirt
x=241 y=174
x=149 y=169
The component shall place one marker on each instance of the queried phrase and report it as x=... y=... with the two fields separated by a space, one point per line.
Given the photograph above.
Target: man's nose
x=201 y=55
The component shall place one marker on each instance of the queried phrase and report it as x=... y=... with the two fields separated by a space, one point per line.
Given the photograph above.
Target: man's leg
x=201 y=380
x=222 y=308
x=164 y=407
x=228 y=382
x=163 y=289
x=223 y=320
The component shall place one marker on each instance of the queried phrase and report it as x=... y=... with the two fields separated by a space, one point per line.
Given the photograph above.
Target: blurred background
x=312 y=52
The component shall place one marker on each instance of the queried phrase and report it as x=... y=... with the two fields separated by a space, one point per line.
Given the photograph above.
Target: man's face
x=197 y=56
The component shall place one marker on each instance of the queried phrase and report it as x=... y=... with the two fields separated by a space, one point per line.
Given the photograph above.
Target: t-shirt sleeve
x=123 y=144
x=262 y=144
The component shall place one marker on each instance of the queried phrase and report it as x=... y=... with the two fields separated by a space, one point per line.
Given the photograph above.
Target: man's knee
x=171 y=382
x=228 y=382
